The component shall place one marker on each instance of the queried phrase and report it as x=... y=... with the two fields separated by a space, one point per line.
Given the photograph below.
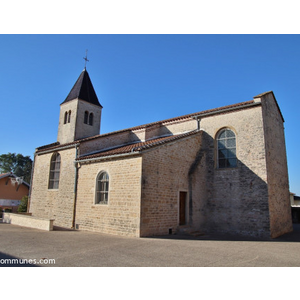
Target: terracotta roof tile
x=48 y=146
x=10 y=174
x=5 y=175
x=137 y=147
x=240 y=105
x=189 y=116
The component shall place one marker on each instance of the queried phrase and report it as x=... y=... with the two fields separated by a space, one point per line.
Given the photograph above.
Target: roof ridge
x=11 y=174
x=214 y=110
x=169 y=120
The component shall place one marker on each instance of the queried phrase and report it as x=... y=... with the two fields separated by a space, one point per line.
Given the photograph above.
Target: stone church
x=222 y=170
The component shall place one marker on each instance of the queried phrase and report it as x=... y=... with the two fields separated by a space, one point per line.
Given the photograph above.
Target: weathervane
x=85 y=58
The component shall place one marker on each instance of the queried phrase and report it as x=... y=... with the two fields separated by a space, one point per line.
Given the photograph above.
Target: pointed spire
x=83 y=90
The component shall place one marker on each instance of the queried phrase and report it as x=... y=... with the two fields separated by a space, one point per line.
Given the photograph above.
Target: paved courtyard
x=79 y=248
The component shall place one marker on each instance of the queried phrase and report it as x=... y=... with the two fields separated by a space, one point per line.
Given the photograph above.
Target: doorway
x=182 y=208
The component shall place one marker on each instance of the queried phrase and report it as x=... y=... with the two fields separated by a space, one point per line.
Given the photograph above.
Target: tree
x=23 y=205
x=18 y=164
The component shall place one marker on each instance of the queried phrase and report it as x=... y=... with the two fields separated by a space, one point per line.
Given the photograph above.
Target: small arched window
x=226 y=149
x=66 y=117
x=102 y=188
x=54 y=171
x=69 y=116
x=86 y=116
x=91 y=119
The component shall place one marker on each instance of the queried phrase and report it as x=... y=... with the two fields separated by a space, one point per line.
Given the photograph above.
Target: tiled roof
x=137 y=147
x=218 y=110
x=189 y=116
x=49 y=146
x=84 y=90
x=263 y=94
x=10 y=174
x=3 y=175
x=54 y=146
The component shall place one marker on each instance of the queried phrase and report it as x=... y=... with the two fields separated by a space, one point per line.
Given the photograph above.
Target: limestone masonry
x=220 y=170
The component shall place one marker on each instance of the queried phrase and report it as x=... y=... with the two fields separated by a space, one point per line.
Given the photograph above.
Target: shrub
x=23 y=205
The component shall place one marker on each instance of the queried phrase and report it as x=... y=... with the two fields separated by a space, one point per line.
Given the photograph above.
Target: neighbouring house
x=221 y=170
x=295 y=205
x=12 y=190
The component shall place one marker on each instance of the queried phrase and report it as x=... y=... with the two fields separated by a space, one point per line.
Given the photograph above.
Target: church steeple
x=80 y=113
x=83 y=89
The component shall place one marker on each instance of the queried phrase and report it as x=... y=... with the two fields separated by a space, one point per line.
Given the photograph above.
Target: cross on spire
x=85 y=58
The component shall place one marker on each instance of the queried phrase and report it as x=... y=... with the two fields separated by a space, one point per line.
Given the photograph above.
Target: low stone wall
x=28 y=221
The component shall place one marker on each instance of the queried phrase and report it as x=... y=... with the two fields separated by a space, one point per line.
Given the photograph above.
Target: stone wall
x=77 y=129
x=233 y=200
x=28 y=221
x=66 y=132
x=85 y=130
x=105 y=141
x=136 y=135
x=121 y=216
x=144 y=193
x=165 y=175
x=277 y=173
x=58 y=203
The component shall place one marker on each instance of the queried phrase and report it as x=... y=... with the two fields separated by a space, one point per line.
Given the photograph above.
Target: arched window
x=54 y=171
x=102 y=186
x=226 y=149
x=69 y=116
x=86 y=116
x=91 y=118
x=66 y=117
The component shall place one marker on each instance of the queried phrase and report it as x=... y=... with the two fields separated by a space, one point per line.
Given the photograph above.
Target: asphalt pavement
x=21 y=246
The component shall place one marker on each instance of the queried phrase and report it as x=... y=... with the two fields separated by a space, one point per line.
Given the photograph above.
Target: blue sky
x=143 y=78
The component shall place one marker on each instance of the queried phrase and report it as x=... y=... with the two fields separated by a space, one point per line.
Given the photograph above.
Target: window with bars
x=102 y=188
x=226 y=143
x=54 y=171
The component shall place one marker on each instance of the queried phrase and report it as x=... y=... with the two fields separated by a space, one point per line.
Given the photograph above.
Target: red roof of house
x=3 y=175
x=10 y=174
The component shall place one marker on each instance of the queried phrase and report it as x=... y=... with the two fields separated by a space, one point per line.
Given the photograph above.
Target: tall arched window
x=102 y=187
x=54 y=171
x=66 y=117
x=69 y=116
x=86 y=116
x=226 y=149
x=91 y=119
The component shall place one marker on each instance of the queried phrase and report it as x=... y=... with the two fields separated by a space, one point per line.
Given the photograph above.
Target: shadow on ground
x=288 y=237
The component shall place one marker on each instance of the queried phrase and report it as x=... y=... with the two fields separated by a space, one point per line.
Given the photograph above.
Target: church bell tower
x=80 y=113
